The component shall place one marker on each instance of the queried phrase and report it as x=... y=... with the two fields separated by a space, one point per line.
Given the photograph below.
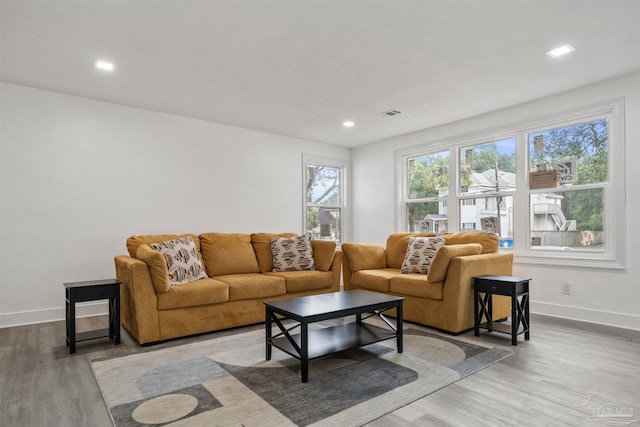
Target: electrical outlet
x=566 y=289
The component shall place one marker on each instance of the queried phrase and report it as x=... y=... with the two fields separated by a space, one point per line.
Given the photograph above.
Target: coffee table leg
x=268 y=333
x=304 y=352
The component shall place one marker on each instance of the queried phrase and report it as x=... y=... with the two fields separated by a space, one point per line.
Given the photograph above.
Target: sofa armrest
x=138 y=299
x=361 y=256
x=457 y=309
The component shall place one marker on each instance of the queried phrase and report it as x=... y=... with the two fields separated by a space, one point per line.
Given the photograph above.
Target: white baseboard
x=608 y=318
x=620 y=320
x=52 y=314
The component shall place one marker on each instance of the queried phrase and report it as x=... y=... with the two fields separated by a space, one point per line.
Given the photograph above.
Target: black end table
x=91 y=291
x=510 y=286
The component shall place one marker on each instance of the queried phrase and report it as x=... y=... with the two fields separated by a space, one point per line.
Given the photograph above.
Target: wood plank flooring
x=546 y=383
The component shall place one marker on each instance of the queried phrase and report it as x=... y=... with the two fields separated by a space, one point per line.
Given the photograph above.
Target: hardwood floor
x=546 y=383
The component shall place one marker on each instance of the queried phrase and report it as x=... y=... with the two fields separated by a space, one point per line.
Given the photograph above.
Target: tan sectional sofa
x=442 y=298
x=240 y=278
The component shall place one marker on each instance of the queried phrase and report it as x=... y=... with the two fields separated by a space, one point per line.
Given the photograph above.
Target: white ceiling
x=300 y=68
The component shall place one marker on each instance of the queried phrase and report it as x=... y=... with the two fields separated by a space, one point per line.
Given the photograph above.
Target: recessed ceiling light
x=104 y=65
x=559 y=51
x=348 y=124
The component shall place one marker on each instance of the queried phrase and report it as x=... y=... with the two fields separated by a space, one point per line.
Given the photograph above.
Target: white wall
x=598 y=295
x=79 y=176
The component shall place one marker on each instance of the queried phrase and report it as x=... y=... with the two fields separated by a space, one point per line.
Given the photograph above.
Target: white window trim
x=345 y=210
x=614 y=256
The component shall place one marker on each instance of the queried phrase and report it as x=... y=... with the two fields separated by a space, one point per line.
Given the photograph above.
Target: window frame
x=440 y=201
x=343 y=192
x=614 y=253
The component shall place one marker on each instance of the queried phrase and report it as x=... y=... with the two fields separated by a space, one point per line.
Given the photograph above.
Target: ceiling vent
x=390 y=113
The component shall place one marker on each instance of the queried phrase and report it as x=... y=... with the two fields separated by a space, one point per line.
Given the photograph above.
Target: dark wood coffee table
x=315 y=343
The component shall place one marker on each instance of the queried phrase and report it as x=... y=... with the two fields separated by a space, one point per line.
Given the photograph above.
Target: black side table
x=513 y=287
x=91 y=291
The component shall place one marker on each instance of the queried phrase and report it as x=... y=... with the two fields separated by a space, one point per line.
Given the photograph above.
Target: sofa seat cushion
x=416 y=285
x=200 y=292
x=300 y=281
x=253 y=286
x=375 y=280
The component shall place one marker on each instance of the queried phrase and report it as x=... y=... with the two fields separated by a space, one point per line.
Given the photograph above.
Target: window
x=550 y=191
x=489 y=168
x=324 y=183
x=427 y=186
x=567 y=207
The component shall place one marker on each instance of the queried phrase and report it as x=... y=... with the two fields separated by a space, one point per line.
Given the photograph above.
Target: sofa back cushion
x=262 y=247
x=228 y=254
x=489 y=241
x=397 y=244
x=134 y=241
x=324 y=251
x=364 y=256
x=440 y=265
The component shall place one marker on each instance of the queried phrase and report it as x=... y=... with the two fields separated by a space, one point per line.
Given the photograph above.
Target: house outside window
x=489 y=169
x=324 y=199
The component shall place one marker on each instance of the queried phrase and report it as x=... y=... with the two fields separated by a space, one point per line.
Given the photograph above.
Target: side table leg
x=117 y=314
x=526 y=316
x=66 y=311
x=515 y=320
x=476 y=314
x=489 y=297
x=112 y=320
x=72 y=323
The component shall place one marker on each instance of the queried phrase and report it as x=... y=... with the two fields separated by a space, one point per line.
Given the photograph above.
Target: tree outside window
x=571 y=215
x=323 y=199
x=427 y=187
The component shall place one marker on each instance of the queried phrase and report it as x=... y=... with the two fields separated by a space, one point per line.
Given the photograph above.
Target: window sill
x=560 y=258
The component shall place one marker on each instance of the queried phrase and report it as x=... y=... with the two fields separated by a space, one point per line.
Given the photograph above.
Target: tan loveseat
x=240 y=279
x=442 y=298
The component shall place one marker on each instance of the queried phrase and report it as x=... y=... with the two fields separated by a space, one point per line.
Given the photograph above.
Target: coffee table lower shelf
x=334 y=339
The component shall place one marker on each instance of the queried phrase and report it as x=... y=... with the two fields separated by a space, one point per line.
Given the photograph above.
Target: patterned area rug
x=227 y=382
